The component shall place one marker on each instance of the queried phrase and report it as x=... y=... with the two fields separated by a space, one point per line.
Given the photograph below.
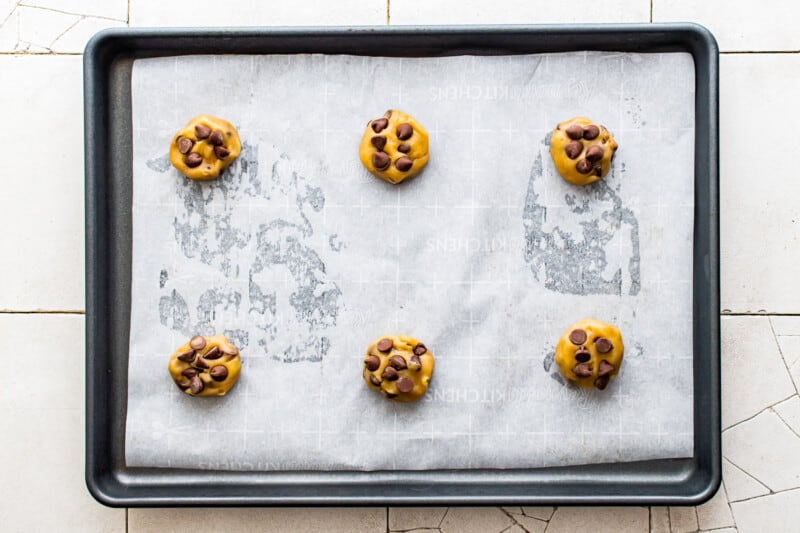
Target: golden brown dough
x=394 y=147
x=589 y=353
x=582 y=150
x=204 y=147
x=398 y=366
x=205 y=366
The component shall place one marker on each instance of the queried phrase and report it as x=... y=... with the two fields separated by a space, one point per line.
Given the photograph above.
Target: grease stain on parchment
x=283 y=245
x=571 y=262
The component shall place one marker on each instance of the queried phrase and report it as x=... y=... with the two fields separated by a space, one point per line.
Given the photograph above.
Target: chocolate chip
x=385 y=344
x=404 y=164
x=605 y=368
x=590 y=132
x=190 y=372
x=197 y=385
x=594 y=153
x=575 y=132
x=194 y=160
x=420 y=349
x=391 y=396
x=603 y=345
x=213 y=353
x=218 y=373
x=388 y=113
x=216 y=138
x=583 y=166
x=405 y=384
x=200 y=362
x=380 y=161
x=389 y=373
x=601 y=382
x=404 y=131
x=202 y=132
x=221 y=152
x=582 y=370
x=405 y=148
x=598 y=172
x=414 y=359
x=375 y=381
x=184 y=145
x=582 y=356
x=187 y=356
x=197 y=342
x=577 y=336
x=372 y=363
x=379 y=125
x=182 y=383
x=397 y=362
x=573 y=149
x=378 y=141
x=230 y=350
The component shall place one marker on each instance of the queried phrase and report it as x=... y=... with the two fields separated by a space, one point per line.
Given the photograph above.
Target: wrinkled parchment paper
x=302 y=258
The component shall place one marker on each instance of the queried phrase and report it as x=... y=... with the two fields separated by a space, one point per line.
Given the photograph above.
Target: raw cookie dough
x=589 y=353
x=394 y=147
x=204 y=147
x=205 y=366
x=582 y=150
x=399 y=366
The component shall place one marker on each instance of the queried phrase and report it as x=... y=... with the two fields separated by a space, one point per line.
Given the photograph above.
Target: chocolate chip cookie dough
x=205 y=366
x=589 y=353
x=204 y=147
x=582 y=150
x=398 y=366
x=394 y=147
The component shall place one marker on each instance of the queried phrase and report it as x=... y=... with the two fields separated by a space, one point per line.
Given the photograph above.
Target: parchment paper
x=302 y=258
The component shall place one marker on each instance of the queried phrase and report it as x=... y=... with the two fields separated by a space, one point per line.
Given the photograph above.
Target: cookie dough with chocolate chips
x=398 y=366
x=582 y=150
x=205 y=366
x=394 y=147
x=589 y=353
x=204 y=147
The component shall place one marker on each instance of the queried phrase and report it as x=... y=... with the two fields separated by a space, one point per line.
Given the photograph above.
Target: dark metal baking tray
x=108 y=61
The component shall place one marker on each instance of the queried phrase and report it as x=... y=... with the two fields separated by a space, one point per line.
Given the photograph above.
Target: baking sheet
x=302 y=258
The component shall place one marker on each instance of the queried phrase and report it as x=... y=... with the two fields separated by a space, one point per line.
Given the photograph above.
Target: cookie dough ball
x=399 y=366
x=394 y=147
x=205 y=366
x=582 y=150
x=204 y=147
x=589 y=353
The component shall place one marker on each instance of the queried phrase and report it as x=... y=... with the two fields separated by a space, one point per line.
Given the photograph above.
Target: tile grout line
x=749 y=418
x=388 y=12
x=753 y=477
x=780 y=351
x=771 y=493
x=62 y=12
x=651 y=11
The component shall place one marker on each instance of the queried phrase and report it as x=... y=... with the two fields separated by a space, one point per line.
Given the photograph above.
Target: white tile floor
x=41 y=287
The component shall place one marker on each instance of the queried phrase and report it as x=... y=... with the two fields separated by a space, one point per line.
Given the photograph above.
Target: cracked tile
x=475 y=520
x=753 y=374
x=263 y=520
x=682 y=519
x=273 y=13
x=45 y=195
x=789 y=411
x=112 y=9
x=34 y=30
x=531 y=525
x=542 y=513
x=765 y=448
x=737 y=24
x=517 y=12
x=723 y=530
x=768 y=513
x=738 y=484
x=758 y=228
x=600 y=520
x=715 y=513
x=786 y=325
x=514 y=529
x=415 y=517
x=512 y=510
x=790 y=350
x=659 y=520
